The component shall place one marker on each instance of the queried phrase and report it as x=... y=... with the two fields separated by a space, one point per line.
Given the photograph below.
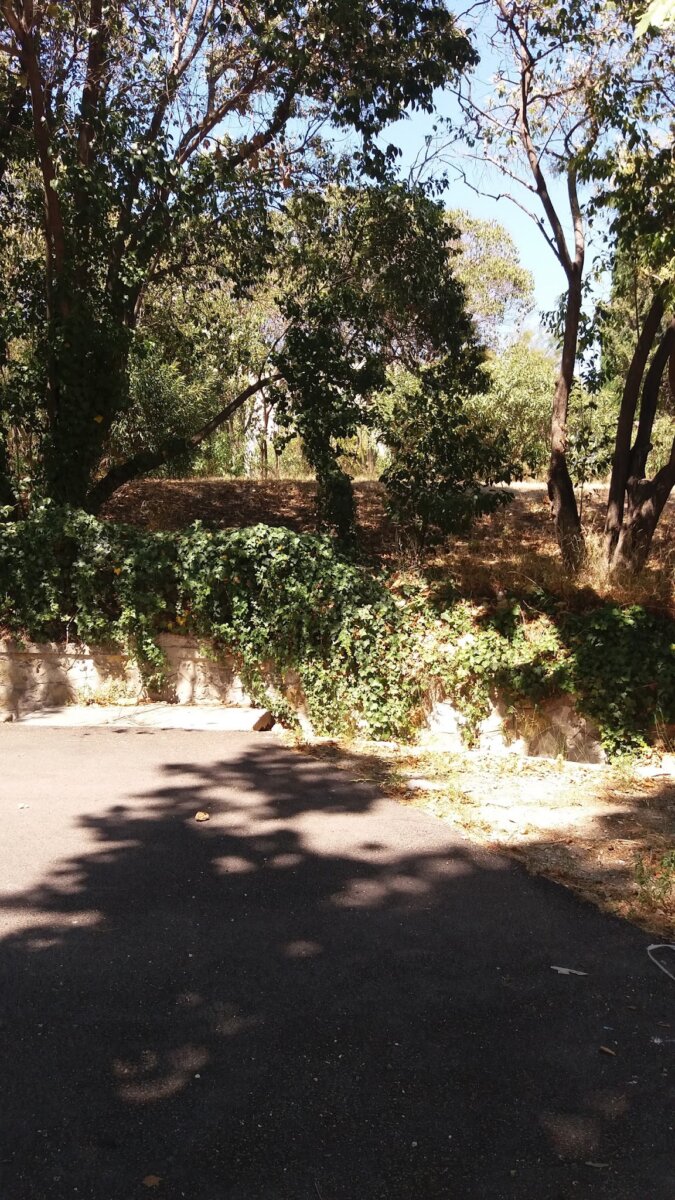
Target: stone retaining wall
x=37 y=676
x=43 y=676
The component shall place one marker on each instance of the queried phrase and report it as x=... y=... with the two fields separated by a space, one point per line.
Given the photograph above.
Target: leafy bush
x=517 y=404
x=618 y=663
x=278 y=600
x=623 y=670
x=368 y=650
x=440 y=462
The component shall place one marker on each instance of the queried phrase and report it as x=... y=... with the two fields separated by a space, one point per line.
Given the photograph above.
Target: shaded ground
x=510 y=551
x=316 y=993
x=589 y=828
x=176 y=503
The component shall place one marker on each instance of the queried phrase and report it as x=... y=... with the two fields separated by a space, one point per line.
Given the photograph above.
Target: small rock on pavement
x=264 y=723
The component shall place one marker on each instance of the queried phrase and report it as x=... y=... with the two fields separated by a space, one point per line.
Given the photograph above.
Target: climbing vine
x=369 y=651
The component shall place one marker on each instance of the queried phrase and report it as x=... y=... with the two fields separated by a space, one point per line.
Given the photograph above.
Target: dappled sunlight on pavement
x=316 y=992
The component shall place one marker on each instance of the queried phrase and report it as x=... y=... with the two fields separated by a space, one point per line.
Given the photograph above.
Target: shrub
x=369 y=650
x=618 y=663
x=274 y=598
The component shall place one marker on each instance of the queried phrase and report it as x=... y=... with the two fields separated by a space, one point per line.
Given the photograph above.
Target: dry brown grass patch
x=510 y=552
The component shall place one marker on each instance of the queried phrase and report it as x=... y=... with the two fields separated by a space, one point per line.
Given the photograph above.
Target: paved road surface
x=316 y=994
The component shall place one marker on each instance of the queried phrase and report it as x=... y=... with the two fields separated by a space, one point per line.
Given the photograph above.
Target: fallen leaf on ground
x=202 y=816
x=151 y=1181
x=606 y=1050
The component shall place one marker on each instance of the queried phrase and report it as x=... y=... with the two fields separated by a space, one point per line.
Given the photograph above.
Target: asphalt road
x=316 y=994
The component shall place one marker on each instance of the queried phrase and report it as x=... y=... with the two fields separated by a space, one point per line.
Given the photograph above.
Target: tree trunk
x=560 y=488
x=645 y=499
x=90 y=362
x=150 y=460
x=264 y=438
x=649 y=404
x=621 y=462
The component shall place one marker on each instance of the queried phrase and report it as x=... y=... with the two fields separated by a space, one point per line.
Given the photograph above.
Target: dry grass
x=514 y=552
x=509 y=552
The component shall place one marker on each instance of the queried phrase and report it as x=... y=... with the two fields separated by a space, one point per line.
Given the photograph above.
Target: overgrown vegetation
x=278 y=601
x=212 y=254
x=617 y=663
x=370 y=650
x=212 y=248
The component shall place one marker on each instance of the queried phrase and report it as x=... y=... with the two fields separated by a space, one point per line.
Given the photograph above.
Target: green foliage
x=623 y=669
x=660 y=14
x=517 y=404
x=279 y=601
x=500 y=292
x=591 y=435
x=368 y=292
x=516 y=408
x=442 y=462
x=441 y=467
x=618 y=663
x=503 y=654
x=160 y=405
x=157 y=135
x=367 y=650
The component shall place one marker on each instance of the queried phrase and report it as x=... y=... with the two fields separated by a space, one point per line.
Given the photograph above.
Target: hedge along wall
x=369 y=652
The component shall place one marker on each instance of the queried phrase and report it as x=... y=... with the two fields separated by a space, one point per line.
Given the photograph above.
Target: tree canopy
x=134 y=136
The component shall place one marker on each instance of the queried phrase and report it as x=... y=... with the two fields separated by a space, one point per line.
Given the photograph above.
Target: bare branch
x=514 y=200
x=91 y=90
x=150 y=460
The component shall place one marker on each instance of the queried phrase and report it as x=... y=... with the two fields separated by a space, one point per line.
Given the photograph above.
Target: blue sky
x=534 y=253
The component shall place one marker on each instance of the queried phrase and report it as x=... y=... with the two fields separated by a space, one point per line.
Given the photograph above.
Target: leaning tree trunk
x=560 y=487
x=645 y=499
x=621 y=461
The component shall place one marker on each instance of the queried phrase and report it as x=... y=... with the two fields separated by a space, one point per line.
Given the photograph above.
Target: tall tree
x=500 y=291
x=576 y=118
x=633 y=169
x=533 y=127
x=159 y=126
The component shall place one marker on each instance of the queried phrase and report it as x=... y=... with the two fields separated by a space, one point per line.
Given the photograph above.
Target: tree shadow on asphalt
x=319 y=994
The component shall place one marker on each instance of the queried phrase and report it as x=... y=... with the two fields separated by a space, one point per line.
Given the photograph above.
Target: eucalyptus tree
x=533 y=125
x=575 y=121
x=499 y=290
x=634 y=173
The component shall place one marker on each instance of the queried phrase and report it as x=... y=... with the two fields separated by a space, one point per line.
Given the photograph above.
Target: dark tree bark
x=644 y=499
x=647 y=501
x=560 y=487
x=650 y=399
x=564 y=510
x=621 y=463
